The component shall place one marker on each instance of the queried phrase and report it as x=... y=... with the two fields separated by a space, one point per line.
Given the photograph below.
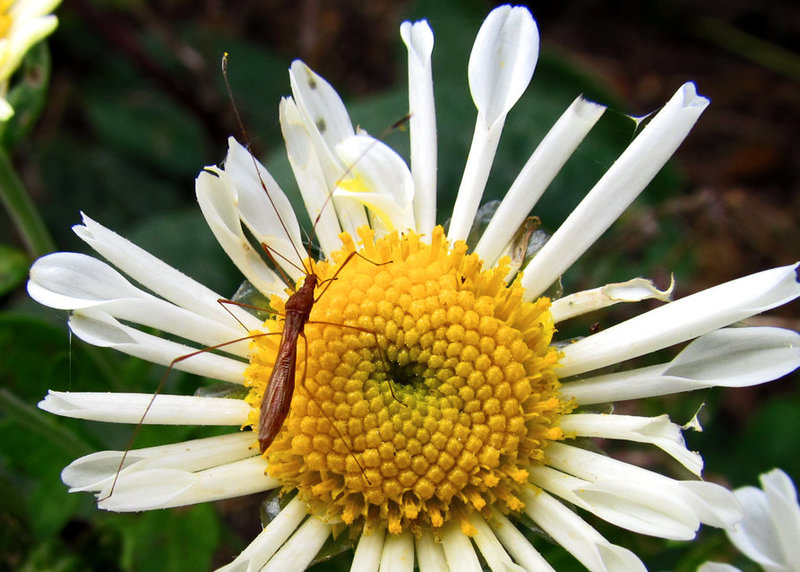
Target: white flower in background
x=431 y=406
x=23 y=23
x=770 y=530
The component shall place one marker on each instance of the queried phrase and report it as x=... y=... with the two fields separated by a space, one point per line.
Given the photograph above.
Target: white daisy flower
x=434 y=415
x=23 y=23
x=769 y=531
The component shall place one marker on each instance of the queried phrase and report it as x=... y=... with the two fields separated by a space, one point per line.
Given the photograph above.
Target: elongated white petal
x=500 y=68
x=71 y=281
x=149 y=489
x=717 y=567
x=430 y=556
x=587 y=301
x=269 y=540
x=492 y=550
x=319 y=101
x=731 y=357
x=502 y=61
x=682 y=320
x=711 y=503
x=100 y=329
x=156 y=275
x=473 y=182
x=618 y=187
x=217 y=198
x=131 y=407
x=458 y=549
x=634 y=506
x=418 y=38
x=578 y=538
x=264 y=209
x=299 y=551
x=398 y=553
x=537 y=174
x=310 y=177
x=380 y=179
x=95 y=471
x=782 y=497
x=517 y=545
x=367 y=556
x=328 y=124
x=770 y=528
x=658 y=431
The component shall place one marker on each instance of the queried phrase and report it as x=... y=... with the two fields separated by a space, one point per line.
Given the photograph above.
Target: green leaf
x=13 y=268
x=167 y=540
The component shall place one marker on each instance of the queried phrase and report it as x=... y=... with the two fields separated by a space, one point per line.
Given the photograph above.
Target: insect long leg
x=160 y=387
x=377 y=346
x=321 y=410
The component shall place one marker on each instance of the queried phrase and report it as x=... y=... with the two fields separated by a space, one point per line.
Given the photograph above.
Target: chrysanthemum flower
x=770 y=528
x=434 y=412
x=23 y=23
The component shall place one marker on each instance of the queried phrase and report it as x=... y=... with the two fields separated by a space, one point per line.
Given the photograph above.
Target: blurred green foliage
x=123 y=144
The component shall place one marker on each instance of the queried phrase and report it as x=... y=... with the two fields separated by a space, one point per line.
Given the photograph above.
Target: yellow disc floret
x=425 y=387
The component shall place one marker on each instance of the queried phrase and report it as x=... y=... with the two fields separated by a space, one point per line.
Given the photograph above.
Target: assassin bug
x=276 y=402
x=297 y=310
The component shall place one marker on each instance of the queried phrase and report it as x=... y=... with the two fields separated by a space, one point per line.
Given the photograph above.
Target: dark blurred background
x=137 y=106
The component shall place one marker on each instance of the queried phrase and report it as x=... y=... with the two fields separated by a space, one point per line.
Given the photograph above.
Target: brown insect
x=276 y=402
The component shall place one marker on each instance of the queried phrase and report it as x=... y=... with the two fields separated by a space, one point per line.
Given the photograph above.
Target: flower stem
x=23 y=212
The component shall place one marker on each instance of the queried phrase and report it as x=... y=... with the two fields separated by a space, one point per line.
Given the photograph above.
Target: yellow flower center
x=6 y=19
x=424 y=392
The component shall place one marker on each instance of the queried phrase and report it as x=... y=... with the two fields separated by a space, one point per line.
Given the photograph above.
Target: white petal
x=517 y=545
x=500 y=67
x=380 y=179
x=711 y=503
x=100 y=329
x=717 y=567
x=736 y=355
x=299 y=551
x=310 y=177
x=612 y=194
x=398 y=553
x=502 y=61
x=540 y=170
x=95 y=471
x=367 y=556
x=161 y=409
x=587 y=301
x=658 y=431
x=768 y=532
x=782 y=497
x=575 y=536
x=327 y=122
x=71 y=281
x=319 y=101
x=458 y=549
x=264 y=209
x=682 y=320
x=418 y=38
x=217 y=198
x=473 y=182
x=253 y=558
x=731 y=357
x=156 y=275
x=634 y=506
x=430 y=555
x=493 y=552
x=150 y=489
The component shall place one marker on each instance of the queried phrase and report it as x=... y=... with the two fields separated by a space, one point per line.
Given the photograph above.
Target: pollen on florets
x=425 y=391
